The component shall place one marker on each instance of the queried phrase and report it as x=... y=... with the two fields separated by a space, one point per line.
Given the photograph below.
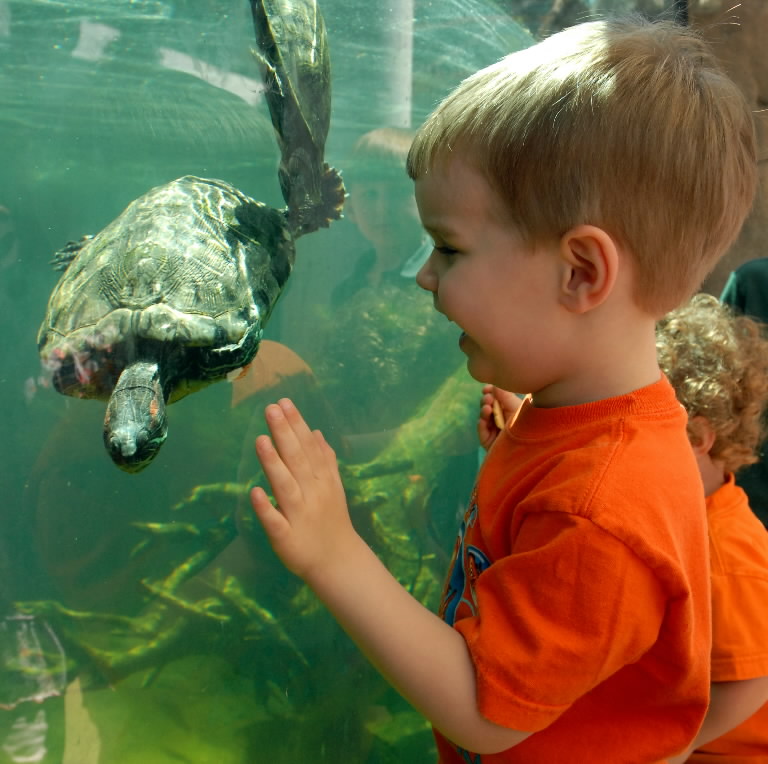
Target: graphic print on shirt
x=459 y=599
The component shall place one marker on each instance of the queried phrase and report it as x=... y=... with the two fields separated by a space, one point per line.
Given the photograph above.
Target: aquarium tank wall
x=143 y=616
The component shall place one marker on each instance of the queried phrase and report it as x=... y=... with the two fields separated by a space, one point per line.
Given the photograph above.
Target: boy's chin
x=480 y=374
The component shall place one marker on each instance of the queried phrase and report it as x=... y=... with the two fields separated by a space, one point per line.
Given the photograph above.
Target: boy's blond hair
x=626 y=124
x=717 y=363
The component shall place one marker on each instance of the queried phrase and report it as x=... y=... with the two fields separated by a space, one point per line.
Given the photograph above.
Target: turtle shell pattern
x=186 y=276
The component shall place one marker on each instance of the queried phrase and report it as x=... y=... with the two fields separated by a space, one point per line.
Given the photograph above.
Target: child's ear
x=590 y=264
x=701 y=435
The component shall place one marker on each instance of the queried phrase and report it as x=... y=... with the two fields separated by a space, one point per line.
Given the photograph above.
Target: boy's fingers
x=293 y=438
x=305 y=436
x=287 y=441
x=498 y=415
x=284 y=485
x=261 y=503
x=274 y=522
x=328 y=455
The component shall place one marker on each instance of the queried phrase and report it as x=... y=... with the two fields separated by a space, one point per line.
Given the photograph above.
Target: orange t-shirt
x=580 y=582
x=738 y=547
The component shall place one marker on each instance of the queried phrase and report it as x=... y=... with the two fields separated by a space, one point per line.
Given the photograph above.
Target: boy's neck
x=608 y=359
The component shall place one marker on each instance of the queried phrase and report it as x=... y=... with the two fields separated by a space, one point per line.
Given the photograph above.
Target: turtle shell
x=185 y=277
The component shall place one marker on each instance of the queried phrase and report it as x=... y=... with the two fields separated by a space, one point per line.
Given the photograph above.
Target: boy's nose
x=426 y=278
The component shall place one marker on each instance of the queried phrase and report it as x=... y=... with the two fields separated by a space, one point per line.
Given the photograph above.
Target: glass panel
x=144 y=618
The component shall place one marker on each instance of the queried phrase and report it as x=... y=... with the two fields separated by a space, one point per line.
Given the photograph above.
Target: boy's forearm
x=731 y=703
x=424 y=658
x=311 y=531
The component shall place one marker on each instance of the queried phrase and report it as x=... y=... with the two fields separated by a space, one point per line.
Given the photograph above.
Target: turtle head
x=135 y=425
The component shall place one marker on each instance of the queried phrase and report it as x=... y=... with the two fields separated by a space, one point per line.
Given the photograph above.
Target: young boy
x=575 y=192
x=718 y=365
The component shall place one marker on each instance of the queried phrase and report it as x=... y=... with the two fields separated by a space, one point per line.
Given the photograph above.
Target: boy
x=718 y=365
x=575 y=192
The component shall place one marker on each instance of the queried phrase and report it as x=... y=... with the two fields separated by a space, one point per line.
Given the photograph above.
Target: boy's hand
x=496 y=407
x=310 y=526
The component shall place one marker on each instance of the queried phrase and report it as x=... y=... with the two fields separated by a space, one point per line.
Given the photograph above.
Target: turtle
x=174 y=293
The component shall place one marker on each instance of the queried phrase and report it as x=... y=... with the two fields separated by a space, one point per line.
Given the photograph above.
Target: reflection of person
x=577 y=610
x=747 y=291
x=382 y=206
x=369 y=361
x=718 y=365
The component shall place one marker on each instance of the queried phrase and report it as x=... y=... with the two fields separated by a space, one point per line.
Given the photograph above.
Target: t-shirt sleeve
x=568 y=608
x=739 y=627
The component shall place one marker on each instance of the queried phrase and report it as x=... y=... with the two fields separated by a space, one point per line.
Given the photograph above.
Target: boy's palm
x=310 y=524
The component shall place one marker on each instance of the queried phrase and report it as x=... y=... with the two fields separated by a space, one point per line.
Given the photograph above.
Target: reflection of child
x=369 y=360
x=575 y=619
x=718 y=365
x=382 y=206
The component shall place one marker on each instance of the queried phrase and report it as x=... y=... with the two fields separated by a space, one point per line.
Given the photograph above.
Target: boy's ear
x=701 y=435
x=590 y=264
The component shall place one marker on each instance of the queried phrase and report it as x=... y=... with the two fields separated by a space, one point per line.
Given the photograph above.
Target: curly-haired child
x=717 y=363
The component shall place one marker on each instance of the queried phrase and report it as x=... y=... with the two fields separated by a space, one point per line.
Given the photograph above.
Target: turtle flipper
x=64 y=256
x=333 y=195
x=297 y=86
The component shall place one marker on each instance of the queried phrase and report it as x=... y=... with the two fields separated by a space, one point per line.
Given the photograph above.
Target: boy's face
x=483 y=277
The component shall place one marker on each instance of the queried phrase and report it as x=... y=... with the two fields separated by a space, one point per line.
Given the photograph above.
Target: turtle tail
x=135 y=424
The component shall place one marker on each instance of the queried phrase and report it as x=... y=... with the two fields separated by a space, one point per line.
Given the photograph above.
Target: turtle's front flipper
x=135 y=424
x=297 y=85
x=63 y=257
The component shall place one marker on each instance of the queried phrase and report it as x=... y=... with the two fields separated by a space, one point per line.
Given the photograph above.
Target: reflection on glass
x=32 y=661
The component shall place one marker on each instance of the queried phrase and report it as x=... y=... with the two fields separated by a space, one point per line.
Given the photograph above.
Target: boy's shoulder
x=631 y=419
x=625 y=465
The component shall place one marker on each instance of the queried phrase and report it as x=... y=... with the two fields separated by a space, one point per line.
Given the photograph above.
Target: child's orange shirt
x=738 y=547
x=580 y=582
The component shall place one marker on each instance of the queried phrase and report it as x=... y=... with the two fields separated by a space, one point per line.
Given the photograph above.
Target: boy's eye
x=445 y=250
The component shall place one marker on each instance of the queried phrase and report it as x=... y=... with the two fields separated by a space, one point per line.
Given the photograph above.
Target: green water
x=143 y=617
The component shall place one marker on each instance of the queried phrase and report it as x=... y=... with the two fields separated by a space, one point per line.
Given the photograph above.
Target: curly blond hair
x=717 y=362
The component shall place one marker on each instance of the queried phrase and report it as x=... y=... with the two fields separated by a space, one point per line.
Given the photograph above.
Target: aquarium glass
x=143 y=617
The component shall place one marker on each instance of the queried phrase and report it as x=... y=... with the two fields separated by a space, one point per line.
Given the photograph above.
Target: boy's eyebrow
x=438 y=229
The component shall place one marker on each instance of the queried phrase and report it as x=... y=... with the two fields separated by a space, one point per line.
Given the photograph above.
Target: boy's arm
x=730 y=704
x=424 y=658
